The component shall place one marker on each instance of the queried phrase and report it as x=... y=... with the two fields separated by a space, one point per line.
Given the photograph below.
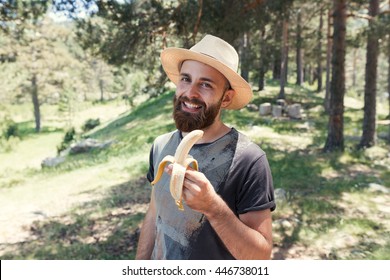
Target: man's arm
x=248 y=236
x=148 y=233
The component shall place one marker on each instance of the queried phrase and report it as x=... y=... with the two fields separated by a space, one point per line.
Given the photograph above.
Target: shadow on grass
x=107 y=228
x=26 y=129
x=313 y=203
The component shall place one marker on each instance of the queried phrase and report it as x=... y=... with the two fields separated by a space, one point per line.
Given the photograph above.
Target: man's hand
x=198 y=193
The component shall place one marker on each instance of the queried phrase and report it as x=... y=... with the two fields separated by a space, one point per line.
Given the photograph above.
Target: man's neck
x=213 y=132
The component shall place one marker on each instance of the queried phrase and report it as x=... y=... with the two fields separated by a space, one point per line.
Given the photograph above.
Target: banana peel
x=180 y=161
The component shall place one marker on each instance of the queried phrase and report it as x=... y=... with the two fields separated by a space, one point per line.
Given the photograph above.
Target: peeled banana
x=180 y=161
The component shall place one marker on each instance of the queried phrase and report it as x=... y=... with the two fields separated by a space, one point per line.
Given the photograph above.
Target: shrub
x=69 y=137
x=90 y=124
x=10 y=129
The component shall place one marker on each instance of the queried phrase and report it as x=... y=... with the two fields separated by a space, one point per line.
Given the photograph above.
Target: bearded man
x=228 y=202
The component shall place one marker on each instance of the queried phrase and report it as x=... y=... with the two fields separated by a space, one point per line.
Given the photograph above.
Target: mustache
x=195 y=101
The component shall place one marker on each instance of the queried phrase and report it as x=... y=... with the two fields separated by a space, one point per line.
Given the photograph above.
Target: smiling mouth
x=192 y=106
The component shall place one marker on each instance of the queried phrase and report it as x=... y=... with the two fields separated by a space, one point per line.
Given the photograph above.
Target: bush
x=90 y=124
x=69 y=137
x=10 y=129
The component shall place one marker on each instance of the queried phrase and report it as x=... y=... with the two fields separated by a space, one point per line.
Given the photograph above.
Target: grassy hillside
x=91 y=206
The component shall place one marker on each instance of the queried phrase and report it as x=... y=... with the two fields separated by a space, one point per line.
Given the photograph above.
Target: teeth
x=191 y=105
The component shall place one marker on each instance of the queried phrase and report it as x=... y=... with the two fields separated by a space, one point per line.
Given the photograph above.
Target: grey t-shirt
x=239 y=172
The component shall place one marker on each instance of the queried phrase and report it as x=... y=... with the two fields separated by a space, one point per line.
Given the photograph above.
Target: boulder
x=87 y=145
x=282 y=103
x=252 y=107
x=277 y=111
x=52 y=161
x=294 y=111
x=265 y=109
x=374 y=187
x=280 y=196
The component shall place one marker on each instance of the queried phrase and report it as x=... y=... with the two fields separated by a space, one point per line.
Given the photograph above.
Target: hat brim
x=171 y=59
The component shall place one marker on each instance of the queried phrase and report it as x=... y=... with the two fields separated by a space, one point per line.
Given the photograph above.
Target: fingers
x=168 y=169
x=191 y=186
x=193 y=181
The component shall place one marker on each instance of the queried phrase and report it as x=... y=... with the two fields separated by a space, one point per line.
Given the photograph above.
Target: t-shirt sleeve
x=150 y=174
x=256 y=191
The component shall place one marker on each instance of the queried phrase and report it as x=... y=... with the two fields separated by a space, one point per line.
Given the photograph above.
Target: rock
x=294 y=111
x=252 y=107
x=277 y=111
x=286 y=224
x=280 y=195
x=283 y=103
x=52 y=161
x=376 y=152
x=87 y=145
x=265 y=109
x=384 y=135
x=373 y=187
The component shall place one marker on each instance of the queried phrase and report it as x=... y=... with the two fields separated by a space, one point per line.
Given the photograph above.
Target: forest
x=88 y=69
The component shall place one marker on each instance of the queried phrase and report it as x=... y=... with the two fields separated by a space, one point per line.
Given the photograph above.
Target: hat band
x=208 y=55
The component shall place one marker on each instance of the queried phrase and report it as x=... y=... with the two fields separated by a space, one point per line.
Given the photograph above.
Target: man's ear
x=228 y=98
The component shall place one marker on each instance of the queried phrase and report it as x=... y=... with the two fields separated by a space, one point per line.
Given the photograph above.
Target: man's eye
x=206 y=85
x=185 y=79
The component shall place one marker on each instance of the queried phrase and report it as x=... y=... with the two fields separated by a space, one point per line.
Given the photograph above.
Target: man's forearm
x=146 y=238
x=242 y=241
x=148 y=233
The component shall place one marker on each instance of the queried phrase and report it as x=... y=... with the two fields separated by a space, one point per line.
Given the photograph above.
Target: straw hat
x=216 y=53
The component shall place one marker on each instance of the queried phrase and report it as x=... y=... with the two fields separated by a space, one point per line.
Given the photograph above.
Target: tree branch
x=197 y=24
x=253 y=5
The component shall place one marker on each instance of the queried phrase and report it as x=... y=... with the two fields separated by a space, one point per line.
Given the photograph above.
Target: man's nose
x=192 y=91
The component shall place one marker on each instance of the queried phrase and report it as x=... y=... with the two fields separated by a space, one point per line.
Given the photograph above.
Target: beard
x=188 y=122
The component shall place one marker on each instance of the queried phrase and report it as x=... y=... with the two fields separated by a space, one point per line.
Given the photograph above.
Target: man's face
x=199 y=96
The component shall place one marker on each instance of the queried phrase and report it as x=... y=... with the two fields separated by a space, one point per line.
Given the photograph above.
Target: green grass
x=91 y=206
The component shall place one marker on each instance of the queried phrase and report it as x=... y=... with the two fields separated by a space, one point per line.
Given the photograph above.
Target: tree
x=388 y=66
x=372 y=52
x=263 y=62
x=245 y=54
x=319 y=51
x=49 y=63
x=387 y=34
x=21 y=21
x=329 y=47
x=284 y=59
x=299 y=54
x=134 y=32
x=335 y=138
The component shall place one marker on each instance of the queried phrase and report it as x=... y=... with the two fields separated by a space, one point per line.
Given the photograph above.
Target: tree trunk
x=299 y=51
x=369 y=120
x=245 y=56
x=197 y=24
x=328 y=62
x=319 y=55
x=276 y=54
x=354 y=70
x=284 y=58
x=335 y=139
x=388 y=75
x=308 y=74
x=101 y=87
x=35 y=101
x=263 y=63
